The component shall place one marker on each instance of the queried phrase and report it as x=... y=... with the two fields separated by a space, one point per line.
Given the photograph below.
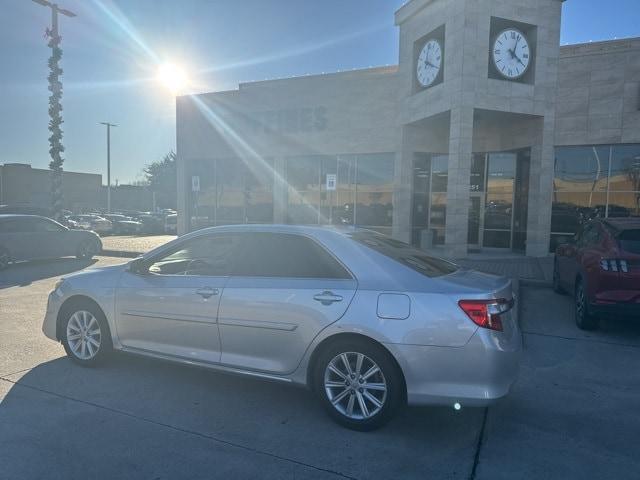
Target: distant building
x=20 y=184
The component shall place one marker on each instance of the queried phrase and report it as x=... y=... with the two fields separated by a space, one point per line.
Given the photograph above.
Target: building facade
x=487 y=136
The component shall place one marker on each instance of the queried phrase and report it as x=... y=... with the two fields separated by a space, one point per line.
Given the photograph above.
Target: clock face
x=511 y=53
x=429 y=63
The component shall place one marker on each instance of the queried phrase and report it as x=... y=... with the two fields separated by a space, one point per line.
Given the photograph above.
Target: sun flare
x=172 y=77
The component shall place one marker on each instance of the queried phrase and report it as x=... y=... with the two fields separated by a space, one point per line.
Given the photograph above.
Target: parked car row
x=125 y=223
x=600 y=267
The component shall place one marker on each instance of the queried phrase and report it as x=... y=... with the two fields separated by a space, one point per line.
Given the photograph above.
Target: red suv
x=601 y=266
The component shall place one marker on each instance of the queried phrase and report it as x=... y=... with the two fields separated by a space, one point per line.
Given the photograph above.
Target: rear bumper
x=477 y=374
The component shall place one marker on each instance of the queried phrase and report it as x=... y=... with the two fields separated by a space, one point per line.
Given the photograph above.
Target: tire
x=5 y=258
x=585 y=320
x=84 y=320
x=343 y=396
x=87 y=249
x=557 y=286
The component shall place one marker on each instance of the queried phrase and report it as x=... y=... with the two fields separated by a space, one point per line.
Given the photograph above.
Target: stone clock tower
x=477 y=87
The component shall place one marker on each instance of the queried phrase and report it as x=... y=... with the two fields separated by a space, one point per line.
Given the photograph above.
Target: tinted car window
x=630 y=241
x=285 y=255
x=405 y=254
x=43 y=225
x=203 y=256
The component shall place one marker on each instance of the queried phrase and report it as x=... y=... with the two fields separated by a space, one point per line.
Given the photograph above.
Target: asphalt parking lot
x=574 y=412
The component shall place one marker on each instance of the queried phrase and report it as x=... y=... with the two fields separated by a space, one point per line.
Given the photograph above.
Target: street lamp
x=109 y=125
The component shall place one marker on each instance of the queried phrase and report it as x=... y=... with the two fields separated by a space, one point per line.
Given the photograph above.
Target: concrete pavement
x=572 y=414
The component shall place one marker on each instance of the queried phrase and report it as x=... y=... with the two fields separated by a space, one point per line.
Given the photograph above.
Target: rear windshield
x=630 y=241
x=405 y=254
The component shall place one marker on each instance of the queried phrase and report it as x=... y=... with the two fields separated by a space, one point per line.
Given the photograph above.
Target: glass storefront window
x=232 y=191
x=594 y=181
x=363 y=194
x=429 y=210
x=625 y=169
x=374 y=193
x=581 y=169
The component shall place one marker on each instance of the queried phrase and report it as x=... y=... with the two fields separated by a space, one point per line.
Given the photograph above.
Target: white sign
x=195 y=183
x=332 y=179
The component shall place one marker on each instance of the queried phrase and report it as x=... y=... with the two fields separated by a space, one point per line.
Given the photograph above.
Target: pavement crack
x=476 y=457
x=179 y=429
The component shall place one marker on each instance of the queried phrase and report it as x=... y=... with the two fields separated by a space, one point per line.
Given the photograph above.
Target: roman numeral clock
x=429 y=63
x=511 y=54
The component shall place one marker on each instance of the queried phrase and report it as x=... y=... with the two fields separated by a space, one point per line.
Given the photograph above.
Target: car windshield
x=405 y=254
x=630 y=241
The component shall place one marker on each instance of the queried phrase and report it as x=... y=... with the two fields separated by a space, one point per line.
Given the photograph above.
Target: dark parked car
x=123 y=225
x=30 y=237
x=152 y=224
x=601 y=267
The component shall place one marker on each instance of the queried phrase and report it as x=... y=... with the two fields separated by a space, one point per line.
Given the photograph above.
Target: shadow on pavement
x=24 y=273
x=146 y=419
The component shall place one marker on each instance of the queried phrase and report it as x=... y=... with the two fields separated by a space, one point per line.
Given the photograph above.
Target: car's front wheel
x=585 y=320
x=359 y=384
x=85 y=334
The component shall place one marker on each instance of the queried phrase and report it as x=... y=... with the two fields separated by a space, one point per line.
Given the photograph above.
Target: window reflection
x=429 y=209
x=232 y=191
x=363 y=193
x=591 y=182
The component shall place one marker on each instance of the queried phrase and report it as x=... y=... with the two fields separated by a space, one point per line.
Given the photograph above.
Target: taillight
x=486 y=313
x=614 y=265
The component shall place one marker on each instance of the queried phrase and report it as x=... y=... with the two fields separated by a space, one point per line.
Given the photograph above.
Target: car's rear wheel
x=87 y=249
x=557 y=285
x=5 y=258
x=85 y=334
x=359 y=384
x=585 y=320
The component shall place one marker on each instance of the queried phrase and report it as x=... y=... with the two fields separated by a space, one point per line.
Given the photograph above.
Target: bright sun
x=172 y=77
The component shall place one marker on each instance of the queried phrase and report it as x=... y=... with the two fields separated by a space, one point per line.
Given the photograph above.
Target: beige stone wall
x=599 y=93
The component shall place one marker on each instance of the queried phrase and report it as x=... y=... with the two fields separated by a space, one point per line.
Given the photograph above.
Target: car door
x=169 y=305
x=284 y=290
x=25 y=240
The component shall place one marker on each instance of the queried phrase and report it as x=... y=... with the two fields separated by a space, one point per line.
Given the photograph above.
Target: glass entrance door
x=499 y=199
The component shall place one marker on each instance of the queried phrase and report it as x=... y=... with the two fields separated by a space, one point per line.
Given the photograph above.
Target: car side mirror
x=139 y=266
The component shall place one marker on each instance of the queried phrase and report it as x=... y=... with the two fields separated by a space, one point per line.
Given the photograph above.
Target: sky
x=113 y=48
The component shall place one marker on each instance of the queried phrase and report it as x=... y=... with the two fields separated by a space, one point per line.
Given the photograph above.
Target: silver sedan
x=367 y=322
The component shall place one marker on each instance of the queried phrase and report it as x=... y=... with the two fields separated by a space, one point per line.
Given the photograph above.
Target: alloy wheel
x=580 y=303
x=355 y=385
x=84 y=335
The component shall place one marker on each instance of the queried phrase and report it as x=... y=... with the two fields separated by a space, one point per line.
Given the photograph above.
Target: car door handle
x=207 y=292
x=327 y=297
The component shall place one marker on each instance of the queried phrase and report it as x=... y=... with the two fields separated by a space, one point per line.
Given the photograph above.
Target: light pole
x=109 y=125
x=55 y=107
